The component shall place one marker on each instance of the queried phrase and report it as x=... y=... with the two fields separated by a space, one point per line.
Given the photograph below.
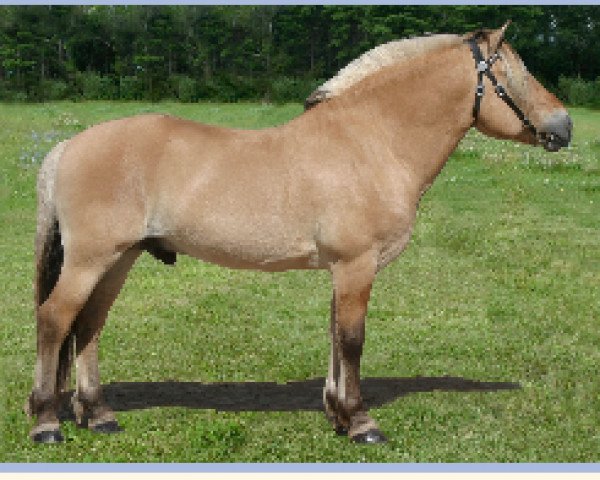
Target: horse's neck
x=419 y=111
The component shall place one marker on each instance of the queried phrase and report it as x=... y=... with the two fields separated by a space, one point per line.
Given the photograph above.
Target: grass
x=499 y=284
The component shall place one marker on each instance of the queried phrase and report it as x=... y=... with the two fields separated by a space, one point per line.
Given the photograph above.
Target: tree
x=233 y=52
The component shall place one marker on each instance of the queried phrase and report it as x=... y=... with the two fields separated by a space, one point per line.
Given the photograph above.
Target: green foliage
x=184 y=88
x=233 y=88
x=95 y=87
x=229 y=53
x=9 y=94
x=286 y=89
x=54 y=90
x=131 y=88
x=580 y=92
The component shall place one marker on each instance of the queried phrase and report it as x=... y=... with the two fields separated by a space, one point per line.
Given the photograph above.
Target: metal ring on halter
x=482 y=66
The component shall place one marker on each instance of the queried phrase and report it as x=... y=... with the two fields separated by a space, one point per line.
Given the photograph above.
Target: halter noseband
x=483 y=67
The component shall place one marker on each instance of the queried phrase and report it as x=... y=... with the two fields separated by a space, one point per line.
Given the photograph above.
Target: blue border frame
x=300 y=467
x=303 y=467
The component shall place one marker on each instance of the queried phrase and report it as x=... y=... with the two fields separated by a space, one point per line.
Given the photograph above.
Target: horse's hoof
x=370 y=436
x=107 y=427
x=48 y=436
x=341 y=431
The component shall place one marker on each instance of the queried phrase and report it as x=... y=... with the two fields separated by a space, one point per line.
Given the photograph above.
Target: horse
x=335 y=188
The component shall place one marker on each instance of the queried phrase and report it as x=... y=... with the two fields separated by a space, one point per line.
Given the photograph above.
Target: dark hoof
x=48 y=436
x=341 y=431
x=371 y=436
x=107 y=427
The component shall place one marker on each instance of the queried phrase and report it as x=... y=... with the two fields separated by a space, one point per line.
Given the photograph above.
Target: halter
x=483 y=67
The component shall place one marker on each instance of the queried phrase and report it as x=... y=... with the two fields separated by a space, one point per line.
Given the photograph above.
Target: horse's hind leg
x=55 y=319
x=352 y=287
x=88 y=403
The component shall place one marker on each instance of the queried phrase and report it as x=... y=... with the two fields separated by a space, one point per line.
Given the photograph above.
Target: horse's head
x=518 y=107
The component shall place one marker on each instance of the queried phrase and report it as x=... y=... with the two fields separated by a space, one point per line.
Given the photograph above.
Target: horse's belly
x=268 y=252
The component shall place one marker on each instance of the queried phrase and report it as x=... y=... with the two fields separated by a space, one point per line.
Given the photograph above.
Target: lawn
x=483 y=338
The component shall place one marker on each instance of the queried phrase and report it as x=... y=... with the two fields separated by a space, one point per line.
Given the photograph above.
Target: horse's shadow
x=270 y=396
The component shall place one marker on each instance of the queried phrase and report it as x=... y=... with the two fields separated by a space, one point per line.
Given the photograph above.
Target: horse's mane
x=377 y=58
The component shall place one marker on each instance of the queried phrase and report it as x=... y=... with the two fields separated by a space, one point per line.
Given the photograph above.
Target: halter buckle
x=480 y=90
x=482 y=66
x=500 y=90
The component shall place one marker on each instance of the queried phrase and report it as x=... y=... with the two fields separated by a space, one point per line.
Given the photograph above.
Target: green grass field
x=499 y=286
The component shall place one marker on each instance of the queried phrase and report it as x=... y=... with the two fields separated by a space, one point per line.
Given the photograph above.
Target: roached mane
x=375 y=59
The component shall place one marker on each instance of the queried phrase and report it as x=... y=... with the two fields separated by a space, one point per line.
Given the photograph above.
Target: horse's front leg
x=352 y=281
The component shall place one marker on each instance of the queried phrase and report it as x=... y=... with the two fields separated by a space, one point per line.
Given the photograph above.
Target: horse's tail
x=49 y=254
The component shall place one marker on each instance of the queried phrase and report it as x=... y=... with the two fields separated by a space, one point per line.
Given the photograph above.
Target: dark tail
x=49 y=265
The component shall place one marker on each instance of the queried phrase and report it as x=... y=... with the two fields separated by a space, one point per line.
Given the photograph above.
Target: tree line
x=273 y=53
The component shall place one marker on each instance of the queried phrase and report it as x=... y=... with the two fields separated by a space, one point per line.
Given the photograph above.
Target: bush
x=9 y=95
x=54 y=90
x=233 y=88
x=250 y=88
x=92 y=86
x=216 y=90
x=288 y=89
x=131 y=88
x=579 y=92
x=183 y=88
x=5 y=91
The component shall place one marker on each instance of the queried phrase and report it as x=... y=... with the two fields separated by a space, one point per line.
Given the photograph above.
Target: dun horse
x=336 y=188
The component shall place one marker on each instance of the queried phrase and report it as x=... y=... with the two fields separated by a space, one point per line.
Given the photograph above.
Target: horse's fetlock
x=37 y=403
x=351 y=407
x=90 y=412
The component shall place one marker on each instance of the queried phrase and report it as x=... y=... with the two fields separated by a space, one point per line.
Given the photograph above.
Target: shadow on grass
x=270 y=396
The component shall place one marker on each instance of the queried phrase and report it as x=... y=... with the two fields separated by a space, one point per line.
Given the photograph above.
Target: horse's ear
x=497 y=37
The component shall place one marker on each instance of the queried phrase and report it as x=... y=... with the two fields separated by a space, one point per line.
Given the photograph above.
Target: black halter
x=483 y=67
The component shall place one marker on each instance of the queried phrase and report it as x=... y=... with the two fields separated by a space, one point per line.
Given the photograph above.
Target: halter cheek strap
x=483 y=67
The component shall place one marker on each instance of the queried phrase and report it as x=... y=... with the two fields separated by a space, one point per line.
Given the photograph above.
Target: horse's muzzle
x=556 y=130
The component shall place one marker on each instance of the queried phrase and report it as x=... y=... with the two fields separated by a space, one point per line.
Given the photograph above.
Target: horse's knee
x=38 y=402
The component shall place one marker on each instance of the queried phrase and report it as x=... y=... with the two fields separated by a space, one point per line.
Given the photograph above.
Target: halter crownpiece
x=483 y=67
